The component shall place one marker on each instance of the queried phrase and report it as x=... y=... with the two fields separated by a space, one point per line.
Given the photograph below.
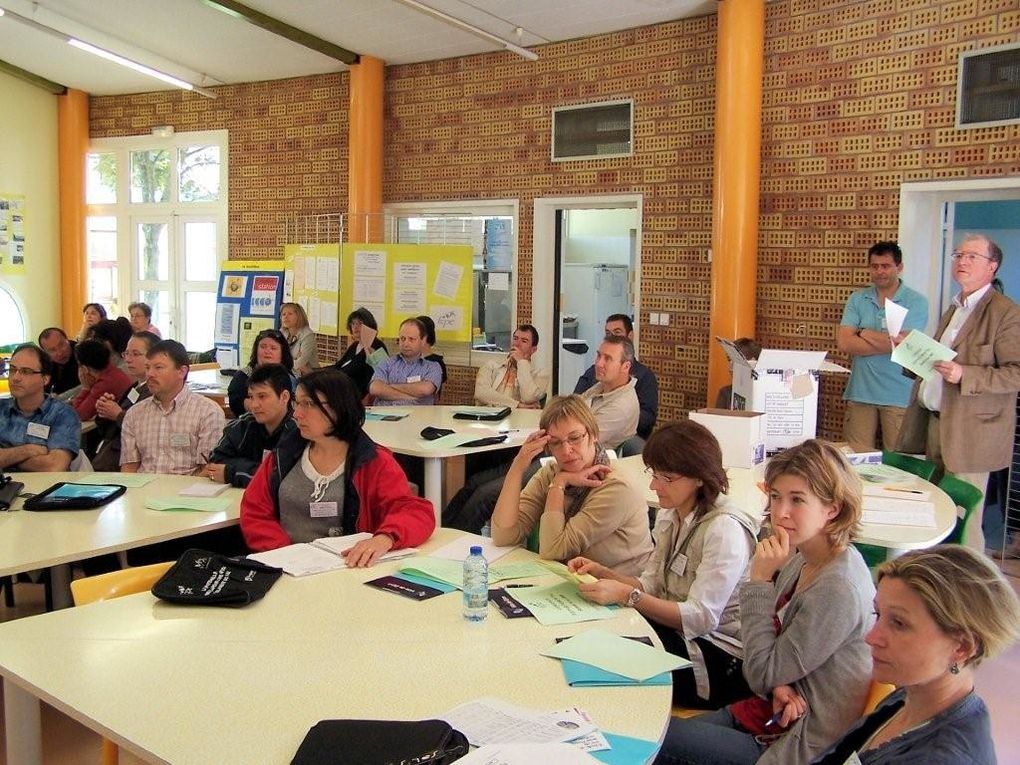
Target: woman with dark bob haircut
x=354 y=363
x=270 y=347
x=328 y=478
x=689 y=588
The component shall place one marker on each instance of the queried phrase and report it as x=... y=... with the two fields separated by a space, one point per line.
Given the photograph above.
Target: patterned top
x=396 y=369
x=173 y=441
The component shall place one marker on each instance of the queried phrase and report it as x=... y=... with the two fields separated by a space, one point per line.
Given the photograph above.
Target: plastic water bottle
x=476 y=586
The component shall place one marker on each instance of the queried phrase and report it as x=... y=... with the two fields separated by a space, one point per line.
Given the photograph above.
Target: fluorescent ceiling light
x=477 y=31
x=95 y=51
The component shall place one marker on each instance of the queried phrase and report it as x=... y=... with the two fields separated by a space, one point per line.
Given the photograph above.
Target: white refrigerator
x=591 y=293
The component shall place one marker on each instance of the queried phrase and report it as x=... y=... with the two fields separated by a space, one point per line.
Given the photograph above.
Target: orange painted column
x=72 y=146
x=738 y=92
x=365 y=151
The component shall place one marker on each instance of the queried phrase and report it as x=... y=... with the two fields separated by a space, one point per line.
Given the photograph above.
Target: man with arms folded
x=877 y=390
x=247 y=439
x=175 y=430
x=54 y=341
x=613 y=398
x=647 y=387
x=37 y=433
x=515 y=381
x=964 y=418
x=407 y=378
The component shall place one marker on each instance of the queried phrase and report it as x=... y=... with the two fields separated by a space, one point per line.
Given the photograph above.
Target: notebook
x=320 y=555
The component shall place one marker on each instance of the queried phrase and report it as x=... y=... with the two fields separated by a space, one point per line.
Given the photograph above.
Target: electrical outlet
x=664 y=319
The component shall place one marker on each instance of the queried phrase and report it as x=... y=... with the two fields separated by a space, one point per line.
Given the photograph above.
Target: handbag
x=74 y=496
x=381 y=742
x=202 y=578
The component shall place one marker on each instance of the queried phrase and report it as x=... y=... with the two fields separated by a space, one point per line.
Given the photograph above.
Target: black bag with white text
x=203 y=578
x=381 y=742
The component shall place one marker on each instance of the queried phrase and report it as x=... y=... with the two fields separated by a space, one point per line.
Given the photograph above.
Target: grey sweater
x=820 y=650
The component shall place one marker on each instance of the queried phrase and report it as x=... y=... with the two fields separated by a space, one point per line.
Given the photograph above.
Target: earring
x=954 y=668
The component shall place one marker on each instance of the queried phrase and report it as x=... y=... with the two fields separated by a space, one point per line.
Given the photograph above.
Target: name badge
x=323 y=509
x=853 y=759
x=679 y=564
x=414 y=378
x=180 y=440
x=133 y=395
x=266 y=453
x=38 y=430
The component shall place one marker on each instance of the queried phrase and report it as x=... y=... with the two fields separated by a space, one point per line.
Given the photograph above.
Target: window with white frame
x=156 y=228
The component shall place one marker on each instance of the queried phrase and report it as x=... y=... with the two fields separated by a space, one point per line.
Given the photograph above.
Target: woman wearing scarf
x=580 y=506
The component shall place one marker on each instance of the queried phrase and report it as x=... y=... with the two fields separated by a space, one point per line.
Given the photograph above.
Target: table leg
x=60 y=586
x=434 y=486
x=22 y=725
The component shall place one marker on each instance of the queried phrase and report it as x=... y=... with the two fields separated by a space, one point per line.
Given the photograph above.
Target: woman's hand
x=215 y=472
x=605 y=592
x=589 y=476
x=533 y=446
x=788 y=704
x=366 y=552
x=108 y=408
x=581 y=565
x=770 y=555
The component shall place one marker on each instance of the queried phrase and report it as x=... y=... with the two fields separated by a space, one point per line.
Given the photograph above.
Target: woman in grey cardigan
x=294 y=325
x=804 y=613
x=940 y=613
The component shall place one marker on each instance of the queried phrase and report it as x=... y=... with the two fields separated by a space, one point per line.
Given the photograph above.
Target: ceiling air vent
x=989 y=87
x=593 y=131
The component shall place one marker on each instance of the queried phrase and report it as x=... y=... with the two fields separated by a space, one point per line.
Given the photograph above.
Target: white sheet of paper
x=227 y=319
x=527 y=754
x=409 y=275
x=369 y=289
x=460 y=548
x=370 y=263
x=898 y=512
x=800 y=360
x=329 y=314
x=226 y=358
x=493 y=721
x=499 y=281
x=204 y=489
x=894 y=317
x=448 y=318
x=448 y=279
x=300 y=559
x=314 y=312
x=311 y=270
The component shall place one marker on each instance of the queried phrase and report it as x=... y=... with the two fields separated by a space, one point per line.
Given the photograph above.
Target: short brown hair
x=830 y=478
x=569 y=407
x=965 y=594
x=299 y=310
x=689 y=449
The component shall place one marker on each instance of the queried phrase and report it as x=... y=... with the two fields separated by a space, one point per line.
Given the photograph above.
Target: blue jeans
x=709 y=739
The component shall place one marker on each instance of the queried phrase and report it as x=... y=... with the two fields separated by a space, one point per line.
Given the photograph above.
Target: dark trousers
x=726 y=682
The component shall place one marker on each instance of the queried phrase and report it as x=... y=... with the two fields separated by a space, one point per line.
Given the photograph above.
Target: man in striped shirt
x=175 y=430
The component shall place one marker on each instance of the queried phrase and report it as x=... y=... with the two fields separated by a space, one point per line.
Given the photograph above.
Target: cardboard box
x=783 y=385
x=740 y=434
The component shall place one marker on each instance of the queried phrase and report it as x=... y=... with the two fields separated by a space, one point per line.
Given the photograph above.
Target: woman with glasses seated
x=690 y=588
x=328 y=478
x=354 y=363
x=580 y=506
x=270 y=347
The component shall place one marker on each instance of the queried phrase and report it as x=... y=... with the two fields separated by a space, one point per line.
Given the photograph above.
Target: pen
x=906 y=491
x=519 y=585
x=774 y=720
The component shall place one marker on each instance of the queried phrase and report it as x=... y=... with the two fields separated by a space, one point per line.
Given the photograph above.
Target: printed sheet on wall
x=312 y=279
x=12 y=233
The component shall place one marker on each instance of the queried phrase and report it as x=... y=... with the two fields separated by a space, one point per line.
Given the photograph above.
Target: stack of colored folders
x=590 y=658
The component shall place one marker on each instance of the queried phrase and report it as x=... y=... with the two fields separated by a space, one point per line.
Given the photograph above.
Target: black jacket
x=355 y=365
x=242 y=446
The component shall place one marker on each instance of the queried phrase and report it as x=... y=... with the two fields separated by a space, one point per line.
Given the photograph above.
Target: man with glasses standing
x=37 y=433
x=964 y=418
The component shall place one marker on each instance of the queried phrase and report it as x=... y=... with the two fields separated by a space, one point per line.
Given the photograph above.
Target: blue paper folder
x=581 y=675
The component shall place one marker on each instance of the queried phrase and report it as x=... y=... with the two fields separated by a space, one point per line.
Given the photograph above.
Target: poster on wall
x=247 y=302
x=12 y=233
x=312 y=280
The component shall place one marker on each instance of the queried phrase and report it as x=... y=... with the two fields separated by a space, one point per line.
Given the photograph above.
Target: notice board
x=247 y=301
x=312 y=280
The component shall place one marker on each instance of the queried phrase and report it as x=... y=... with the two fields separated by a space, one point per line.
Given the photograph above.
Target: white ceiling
x=190 y=40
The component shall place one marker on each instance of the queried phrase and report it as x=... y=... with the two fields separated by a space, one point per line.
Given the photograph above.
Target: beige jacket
x=616 y=412
x=532 y=384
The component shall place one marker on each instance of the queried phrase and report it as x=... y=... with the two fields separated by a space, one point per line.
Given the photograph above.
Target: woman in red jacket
x=330 y=479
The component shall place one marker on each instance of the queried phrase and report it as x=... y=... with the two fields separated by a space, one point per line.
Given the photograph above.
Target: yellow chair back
x=116 y=584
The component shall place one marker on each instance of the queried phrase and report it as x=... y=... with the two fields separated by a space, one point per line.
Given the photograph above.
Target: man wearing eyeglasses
x=877 y=391
x=964 y=418
x=110 y=411
x=37 y=433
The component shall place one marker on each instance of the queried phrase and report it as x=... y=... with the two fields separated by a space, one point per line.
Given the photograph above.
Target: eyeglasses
x=968 y=257
x=660 y=477
x=132 y=354
x=574 y=439
x=23 y=371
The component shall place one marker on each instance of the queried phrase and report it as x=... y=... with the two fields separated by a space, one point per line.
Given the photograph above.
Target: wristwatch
x=634 y=597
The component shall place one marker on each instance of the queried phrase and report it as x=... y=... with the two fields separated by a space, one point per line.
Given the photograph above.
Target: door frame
x=543 y=258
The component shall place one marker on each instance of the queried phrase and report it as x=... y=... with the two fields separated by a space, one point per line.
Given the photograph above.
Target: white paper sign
x=499 y=282
x=369 y=263
x=369 y=289
x=409 y=275
x=449 y=318
x=448 y=279
x=227 y=315
x=311 y=270
x=409 y=300
x=894 y=316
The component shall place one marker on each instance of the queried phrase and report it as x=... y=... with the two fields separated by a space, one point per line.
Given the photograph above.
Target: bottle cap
x=476 y=550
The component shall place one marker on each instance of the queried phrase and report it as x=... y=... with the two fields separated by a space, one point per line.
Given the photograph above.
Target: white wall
x=599 y=236
x=28 y=166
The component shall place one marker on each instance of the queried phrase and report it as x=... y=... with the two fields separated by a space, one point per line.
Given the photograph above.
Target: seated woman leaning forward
x=581 y=506
x=940 y=612
x=804 y=613
x=690 y=588
x=328 y=478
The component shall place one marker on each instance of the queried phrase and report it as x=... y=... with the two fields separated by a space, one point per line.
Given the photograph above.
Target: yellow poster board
x=399 y=281
x=312 y=280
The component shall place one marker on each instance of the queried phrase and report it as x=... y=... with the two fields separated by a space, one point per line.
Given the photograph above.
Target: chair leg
x=111 y=753
x=7 y=583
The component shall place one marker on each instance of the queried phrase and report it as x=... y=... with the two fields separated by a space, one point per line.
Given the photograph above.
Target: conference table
x=54 y=539
x=745 y=491
x=404 y=437
x=197 y=685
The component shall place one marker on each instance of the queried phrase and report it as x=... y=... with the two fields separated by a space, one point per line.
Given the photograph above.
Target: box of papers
x=741 y=435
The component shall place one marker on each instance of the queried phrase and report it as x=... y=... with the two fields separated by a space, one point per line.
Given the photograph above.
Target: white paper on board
x=448 y=279
x=227 y=316
x=370 y=263
x=895 y=314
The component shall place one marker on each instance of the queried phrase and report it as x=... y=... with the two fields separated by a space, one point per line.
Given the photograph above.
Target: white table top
x=744 y=490
x=208 y=382
x=404 y=436
x=30 y=540
x=218 y=685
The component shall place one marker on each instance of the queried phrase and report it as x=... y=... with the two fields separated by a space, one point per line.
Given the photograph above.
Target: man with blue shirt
x=37 y=433
x=877 y=391
x=407 y=378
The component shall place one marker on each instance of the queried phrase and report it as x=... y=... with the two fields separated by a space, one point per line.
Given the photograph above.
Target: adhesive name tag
x=679 y=564
x=323 y=509
x=38 y=430
x=414 y=378
x=133 y=395
x=180 y=440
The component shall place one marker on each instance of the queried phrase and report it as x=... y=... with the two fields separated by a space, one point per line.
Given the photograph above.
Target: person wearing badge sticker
x=690 y=587
x=804 y=614
x=407 y=378
x=110 y=412
x=330 y=479
x=37 y=433
x=361 y=326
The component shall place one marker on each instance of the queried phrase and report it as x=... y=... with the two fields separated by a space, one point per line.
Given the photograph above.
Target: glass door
x=151 y=244
x=198 y=261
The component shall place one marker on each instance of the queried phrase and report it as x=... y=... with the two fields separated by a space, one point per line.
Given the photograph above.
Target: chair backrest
x=965 y=495
x=921 y=468
x=80 y=464
x=532 y=544
x=116 y=584
x=876 y=692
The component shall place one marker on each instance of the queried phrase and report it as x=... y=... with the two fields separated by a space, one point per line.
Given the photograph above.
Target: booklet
x=320 y=555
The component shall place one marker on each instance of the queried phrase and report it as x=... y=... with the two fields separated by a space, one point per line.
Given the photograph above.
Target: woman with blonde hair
x=804 y=613
x=941 y=612
x=294 y=326
x=581 y=506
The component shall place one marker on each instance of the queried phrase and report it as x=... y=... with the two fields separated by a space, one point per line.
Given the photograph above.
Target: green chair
x=532 y=543
x=965 y=495
x=921 y=468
